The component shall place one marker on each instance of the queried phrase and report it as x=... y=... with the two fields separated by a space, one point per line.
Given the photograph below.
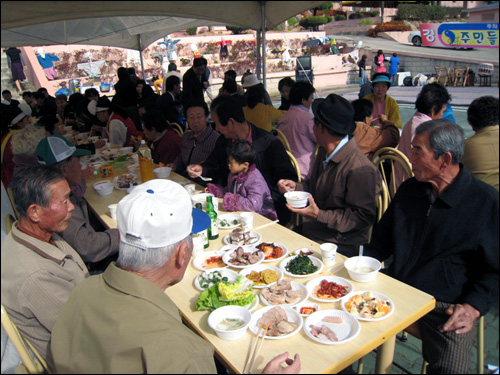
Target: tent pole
x=263 y=26
x=140 y=55
x=257 y=55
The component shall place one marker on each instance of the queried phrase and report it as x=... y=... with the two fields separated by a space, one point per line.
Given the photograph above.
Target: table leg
x=385 y=356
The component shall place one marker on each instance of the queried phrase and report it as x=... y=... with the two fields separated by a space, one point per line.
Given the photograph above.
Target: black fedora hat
x=336 y=113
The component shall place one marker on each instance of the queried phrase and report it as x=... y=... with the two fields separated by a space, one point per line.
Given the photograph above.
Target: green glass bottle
x=213 y=230
x=204 y=233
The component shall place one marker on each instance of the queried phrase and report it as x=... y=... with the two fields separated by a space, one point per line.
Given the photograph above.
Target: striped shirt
x=37 y=279
x=195 y=150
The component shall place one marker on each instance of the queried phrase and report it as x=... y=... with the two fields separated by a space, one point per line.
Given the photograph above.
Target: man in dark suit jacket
x=168 y=103
x=195 y=81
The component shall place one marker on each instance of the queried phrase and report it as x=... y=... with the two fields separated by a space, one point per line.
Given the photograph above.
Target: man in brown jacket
x=344 y=184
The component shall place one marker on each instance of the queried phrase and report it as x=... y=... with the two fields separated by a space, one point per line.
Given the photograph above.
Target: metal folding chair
x=32 y=360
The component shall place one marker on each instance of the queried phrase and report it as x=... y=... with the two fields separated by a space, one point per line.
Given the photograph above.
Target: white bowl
x=162 y=172
x=104 y=187
x=297 y=199
x=229 y=312
x=312 y=305
x=362 y=269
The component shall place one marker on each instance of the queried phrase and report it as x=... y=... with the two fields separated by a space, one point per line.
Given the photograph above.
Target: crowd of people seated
x=55 y=243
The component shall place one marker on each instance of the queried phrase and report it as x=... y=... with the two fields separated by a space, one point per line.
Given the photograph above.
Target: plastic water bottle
x=145 y=162
x=213 y=230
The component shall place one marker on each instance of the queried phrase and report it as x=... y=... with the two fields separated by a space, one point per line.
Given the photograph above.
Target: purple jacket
x=246 y=192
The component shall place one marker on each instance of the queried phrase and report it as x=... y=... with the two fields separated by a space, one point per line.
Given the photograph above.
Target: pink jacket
x=297 y=126
x=246 y=192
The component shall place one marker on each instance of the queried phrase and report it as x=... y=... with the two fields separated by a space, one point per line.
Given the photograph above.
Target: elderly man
x=122 y=321
x=39 y=268
x=344 y=184
x=481 y=150
x=92 y=246
x=272 y=160
x=442 y=230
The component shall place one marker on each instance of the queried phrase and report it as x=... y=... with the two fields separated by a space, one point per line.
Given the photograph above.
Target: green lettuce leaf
x=238 y=290
x=212 y=299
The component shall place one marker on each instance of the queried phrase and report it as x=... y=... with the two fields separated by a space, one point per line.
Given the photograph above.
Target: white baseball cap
x=158 y=213
x=251 y=80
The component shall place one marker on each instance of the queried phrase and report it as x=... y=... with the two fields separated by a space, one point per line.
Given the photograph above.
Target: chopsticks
x=255 y=353
x=266 y=225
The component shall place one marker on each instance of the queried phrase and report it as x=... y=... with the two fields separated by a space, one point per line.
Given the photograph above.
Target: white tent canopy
x=134 y=24
x=119 y=23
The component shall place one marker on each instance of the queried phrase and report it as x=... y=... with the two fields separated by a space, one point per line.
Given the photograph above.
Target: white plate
x=199 y=260
x=318 y=263
x=128 y=174
x=380 y=296
x=252 y=305
x=285 y=252
x=229 y=218
x=230 y=274
x=260 y=268
x=295 y=286
x=336 y=279
x=305 y=249
x=346 y=331
x=227 y=256
x=292 y=315
x=254 y=234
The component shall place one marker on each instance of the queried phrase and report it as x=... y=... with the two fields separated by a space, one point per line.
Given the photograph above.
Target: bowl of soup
x=362 y=269
x=230 y=322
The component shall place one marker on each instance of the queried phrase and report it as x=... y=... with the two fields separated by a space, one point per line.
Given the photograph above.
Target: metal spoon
x=203 y=178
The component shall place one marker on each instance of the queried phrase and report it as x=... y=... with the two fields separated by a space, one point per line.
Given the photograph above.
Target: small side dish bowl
x=297 y=199
x=230 y=322
x=362 y=269
x=162 y=172
x=104 y=187
x=306 y=308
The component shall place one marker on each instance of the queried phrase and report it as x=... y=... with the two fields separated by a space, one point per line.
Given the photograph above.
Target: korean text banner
x=471 y=35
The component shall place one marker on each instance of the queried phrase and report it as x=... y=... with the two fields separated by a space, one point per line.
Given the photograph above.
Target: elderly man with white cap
x=344 y=184
x=122 y=321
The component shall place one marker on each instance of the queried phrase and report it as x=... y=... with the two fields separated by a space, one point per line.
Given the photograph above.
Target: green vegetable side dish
x=225 y=223
x=301 y=265
x=223 y=293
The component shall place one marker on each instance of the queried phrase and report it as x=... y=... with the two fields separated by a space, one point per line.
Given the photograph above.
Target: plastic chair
x=283 y=139
x=443 y=74
x=485 y=72
x=33 y=365
x=9 y=221
x=492 y=179
x=11 y=198
x=388 y=156
x=295 y=165
x=460 y=76
x=177 y=128
x=295 y=217
x=382 y=204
